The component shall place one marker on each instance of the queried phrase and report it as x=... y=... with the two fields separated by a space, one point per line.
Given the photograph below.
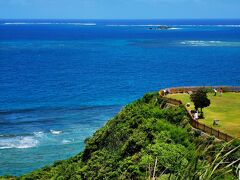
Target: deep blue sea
x=61 y=80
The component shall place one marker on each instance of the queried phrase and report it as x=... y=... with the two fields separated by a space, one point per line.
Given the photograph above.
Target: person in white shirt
x=196 y=116
x=215 y=92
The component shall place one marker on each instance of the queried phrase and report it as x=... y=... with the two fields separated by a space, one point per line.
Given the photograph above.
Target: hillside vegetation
x=147 y=139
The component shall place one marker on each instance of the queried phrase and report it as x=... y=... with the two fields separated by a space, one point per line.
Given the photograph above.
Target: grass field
x=225 y=108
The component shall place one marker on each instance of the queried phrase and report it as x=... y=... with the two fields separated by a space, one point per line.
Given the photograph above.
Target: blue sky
x=119 y=9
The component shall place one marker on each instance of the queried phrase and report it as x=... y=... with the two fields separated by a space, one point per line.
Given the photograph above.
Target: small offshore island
x=161 y=27
x=151 y=138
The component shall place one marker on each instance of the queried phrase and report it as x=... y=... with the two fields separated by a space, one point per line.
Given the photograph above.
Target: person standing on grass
x=215 y=92
x=221 y=91
x=164 y=92
x=196 y=116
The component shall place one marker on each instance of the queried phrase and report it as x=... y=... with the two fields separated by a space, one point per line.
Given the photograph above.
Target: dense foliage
x=148 y=138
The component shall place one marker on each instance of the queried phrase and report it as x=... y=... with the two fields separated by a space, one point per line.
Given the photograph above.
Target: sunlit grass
x=225 y=108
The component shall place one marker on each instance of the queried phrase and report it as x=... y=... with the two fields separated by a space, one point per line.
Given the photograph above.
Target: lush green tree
x=200 y=99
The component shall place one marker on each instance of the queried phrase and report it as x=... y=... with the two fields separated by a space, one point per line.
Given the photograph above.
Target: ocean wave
x=14 y=135
x=200 y=42
x=65 y=141
x=48 y=109
x=209 y=43
x=38 y=134
x=174 y=28
x=228 y=25
x=48 y=23
x=19 y=142
x=55 y=132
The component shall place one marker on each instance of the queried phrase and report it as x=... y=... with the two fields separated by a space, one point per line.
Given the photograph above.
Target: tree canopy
x=200 y=99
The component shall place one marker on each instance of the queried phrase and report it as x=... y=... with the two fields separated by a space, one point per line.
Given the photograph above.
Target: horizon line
x=119 y=19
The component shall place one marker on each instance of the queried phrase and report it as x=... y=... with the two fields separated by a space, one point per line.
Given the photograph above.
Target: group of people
x=164 y=92
x=220 y=90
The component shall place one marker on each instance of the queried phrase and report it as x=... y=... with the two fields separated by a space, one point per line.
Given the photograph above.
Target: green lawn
x=225 y=108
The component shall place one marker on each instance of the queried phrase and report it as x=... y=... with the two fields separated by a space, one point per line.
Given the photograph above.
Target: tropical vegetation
x=148 y=139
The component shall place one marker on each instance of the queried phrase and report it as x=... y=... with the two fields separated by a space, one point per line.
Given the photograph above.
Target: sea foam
x=55 y=132
x=39 y=134
x=19 y=142
x=209 y=43
x=65 y=141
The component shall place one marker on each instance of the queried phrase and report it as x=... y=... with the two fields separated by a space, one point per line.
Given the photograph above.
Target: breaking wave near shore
x=35 y=139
